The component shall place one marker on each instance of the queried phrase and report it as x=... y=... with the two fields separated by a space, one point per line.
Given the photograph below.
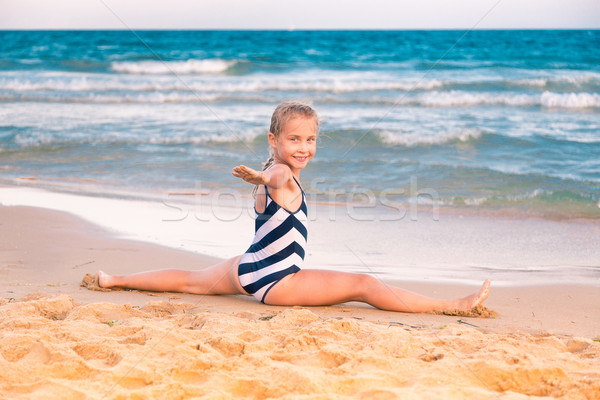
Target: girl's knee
x=190 y=283
x=366 y=284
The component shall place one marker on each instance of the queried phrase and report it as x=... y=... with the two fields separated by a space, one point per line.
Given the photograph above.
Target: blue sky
x=295 y=14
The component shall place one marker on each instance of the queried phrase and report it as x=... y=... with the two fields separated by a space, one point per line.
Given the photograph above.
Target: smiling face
x=296 y=144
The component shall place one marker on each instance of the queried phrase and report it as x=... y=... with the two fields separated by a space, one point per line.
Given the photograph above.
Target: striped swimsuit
x=277 y=249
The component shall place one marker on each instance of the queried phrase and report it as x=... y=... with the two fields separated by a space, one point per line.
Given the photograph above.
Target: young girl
x=270 y=270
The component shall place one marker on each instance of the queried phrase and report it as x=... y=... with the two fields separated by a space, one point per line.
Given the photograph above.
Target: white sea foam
x=69 y=82
x=417 y=138
x=38 y=139
x=34 y=140
x=578 y=80
x=84 y=90
x=570 y=100
x=456 y=98
x=342 y=88
x=211 y=66
x=253 y=94
x=231 y=137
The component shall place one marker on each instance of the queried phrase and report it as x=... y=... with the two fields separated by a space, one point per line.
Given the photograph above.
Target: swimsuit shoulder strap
x=298 y=183
x=268 y=197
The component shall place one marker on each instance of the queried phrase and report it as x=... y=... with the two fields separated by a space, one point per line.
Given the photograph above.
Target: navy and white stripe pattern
x=278 y=247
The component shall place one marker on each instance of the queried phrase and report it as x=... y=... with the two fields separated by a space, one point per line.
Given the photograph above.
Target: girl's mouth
x=301 y=159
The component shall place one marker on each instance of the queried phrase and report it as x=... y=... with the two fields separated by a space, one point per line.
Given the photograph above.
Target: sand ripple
x=52 y=348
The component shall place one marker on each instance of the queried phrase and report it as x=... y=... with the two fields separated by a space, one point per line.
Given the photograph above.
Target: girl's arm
x=275 y=177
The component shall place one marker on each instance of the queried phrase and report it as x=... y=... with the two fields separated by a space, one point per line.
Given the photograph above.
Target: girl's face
x=296 y=144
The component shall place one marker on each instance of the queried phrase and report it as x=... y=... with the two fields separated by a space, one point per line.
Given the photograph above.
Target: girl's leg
x=220 y=278
x=319 y=287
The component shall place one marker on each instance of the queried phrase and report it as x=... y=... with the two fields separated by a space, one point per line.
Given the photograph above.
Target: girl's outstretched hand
x=250 y=175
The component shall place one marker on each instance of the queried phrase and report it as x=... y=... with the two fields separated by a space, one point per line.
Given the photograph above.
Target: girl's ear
x=272 y=140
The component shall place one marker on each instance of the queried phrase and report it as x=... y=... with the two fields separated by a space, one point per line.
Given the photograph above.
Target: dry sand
x=61 y=341
x=54 y=348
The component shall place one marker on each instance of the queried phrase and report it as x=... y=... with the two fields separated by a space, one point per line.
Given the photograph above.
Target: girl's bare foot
x=470 y=302
x=104 y=280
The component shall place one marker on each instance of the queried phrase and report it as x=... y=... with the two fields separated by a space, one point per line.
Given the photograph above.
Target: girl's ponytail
x=269 y=162
x=266 y=165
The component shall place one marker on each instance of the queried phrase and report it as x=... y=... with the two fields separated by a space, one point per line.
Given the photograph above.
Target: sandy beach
x=60 y=340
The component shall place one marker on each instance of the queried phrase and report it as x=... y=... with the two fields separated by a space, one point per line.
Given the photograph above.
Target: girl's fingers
x=247 y=174
x=243 y=170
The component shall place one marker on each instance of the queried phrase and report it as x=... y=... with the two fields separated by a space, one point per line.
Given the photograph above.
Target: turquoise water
x=506 y=120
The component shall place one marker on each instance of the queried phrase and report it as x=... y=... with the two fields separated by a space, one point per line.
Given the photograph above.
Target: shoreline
x=95 y=188
x=454 y=248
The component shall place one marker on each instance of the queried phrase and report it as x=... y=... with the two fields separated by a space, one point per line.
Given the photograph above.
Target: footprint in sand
x=99 y=354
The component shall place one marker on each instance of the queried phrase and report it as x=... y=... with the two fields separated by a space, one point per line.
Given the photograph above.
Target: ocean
x=503 y=121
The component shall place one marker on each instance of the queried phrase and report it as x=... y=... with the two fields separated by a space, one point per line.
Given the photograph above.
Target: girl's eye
x=308 y=140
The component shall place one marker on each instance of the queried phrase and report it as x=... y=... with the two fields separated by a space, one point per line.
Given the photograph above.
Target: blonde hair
x=282 y=115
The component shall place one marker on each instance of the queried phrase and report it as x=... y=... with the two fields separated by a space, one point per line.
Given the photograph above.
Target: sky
x=299 y=14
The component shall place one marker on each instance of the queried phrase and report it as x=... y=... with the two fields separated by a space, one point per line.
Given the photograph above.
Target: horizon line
x=301 y=29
